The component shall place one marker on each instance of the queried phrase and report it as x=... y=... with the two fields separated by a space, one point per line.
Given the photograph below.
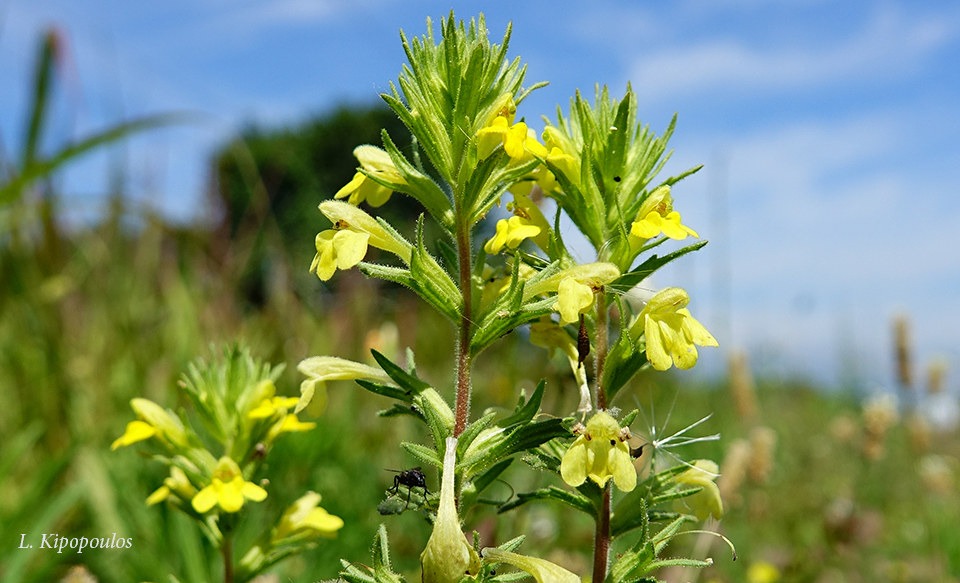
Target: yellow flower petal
x=513 y=140
x=158 y=496
x=600 y=453
x=573 y=466
x=648 y=227
x=230 y=495
x=205 y=499
x=573 y=298
x=227 y=489
x=251 y=491
x=323 y=522
x=338 y=249
x=656 y=215
x=707 y=501
x=136 y=431
x=351 y=188
x=671 y=333
x=490 y=137
x=350 y=248
x=305 y=515
x=375 y=162
x=543 y=571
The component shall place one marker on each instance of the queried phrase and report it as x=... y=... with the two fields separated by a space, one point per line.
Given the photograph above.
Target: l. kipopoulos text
x=76 y=544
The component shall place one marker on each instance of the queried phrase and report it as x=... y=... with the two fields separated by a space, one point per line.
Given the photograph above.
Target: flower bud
x=448 y=555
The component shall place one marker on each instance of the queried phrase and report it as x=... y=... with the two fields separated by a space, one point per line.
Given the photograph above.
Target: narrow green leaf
x=424 y=454
x=652 y=264
x=572 y=499
x=526 y=409
x=406 y=380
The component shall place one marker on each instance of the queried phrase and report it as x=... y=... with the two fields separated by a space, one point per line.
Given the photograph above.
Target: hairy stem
x=462 y=409
x=601 y=540
x=601 y=347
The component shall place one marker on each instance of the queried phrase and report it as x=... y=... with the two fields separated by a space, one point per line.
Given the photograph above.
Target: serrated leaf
x=382 y=571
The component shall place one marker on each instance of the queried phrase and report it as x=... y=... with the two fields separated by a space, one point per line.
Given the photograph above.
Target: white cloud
x=890 y=43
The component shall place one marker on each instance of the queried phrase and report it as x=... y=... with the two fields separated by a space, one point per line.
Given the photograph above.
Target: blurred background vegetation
x=818 y=485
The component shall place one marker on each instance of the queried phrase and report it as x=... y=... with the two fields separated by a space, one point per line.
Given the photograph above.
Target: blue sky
x=831 y=193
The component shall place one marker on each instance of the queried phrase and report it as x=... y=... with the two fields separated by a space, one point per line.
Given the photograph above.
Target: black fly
x=412 y=478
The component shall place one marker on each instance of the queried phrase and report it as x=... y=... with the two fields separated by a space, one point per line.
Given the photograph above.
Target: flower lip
x=227 y=489
x=600 y=452
x=671 y=332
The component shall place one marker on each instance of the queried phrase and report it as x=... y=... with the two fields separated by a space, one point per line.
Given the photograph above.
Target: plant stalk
x=601 y=540
x=462 y=406
x=601 y=347
x=226 y=549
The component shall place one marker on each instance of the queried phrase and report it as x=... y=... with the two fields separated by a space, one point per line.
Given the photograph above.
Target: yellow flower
x=136 y=431
x=518 y=141
x=305 y=516
x=227 y=489
x=600 y=452
x=375 y=163
x=568 y=164
x=347 y=217
x=575 y=287
x=543 y=571
x=707 y=501
x=272 y=406
x=320 y=369
x=656 y=215
x=154 y=421
x=527 y=222
x=448 y=555
x=671 y=332
x=560 y=148
x=289 y=424
x=176 y=483
x=762 y=572
x=573 y=298
x=338 y=250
